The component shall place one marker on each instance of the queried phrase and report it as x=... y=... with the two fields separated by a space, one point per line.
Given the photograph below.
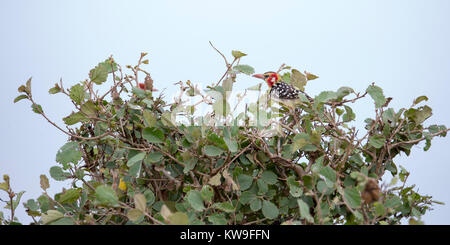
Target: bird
x=142 y=86
x=280 y=91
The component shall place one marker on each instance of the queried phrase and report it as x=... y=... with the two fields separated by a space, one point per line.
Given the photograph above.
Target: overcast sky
x=402 y=45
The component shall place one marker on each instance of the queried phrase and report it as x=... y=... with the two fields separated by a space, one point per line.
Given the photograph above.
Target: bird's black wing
x=283 y=90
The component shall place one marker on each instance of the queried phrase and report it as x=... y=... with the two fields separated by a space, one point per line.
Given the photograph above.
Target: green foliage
x=246 y=69
x=377 y=95
x=144 y=160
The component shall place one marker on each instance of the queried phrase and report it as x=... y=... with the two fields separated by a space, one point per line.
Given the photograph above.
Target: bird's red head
x=270 y=77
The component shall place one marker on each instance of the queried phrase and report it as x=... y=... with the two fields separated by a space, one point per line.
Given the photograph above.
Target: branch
x=417 y=140
x=224 y=58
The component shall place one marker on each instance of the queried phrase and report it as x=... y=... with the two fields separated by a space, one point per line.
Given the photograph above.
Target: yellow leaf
x=122 y=185
x=165 y=212
x=215 y=180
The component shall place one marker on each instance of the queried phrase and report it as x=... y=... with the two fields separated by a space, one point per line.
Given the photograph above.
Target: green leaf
x=294 y=187
x=420 y=99
x=16 y=201
x=255 y=205
x=299 y=141
x=44 y=203
x=74 y=118
x=70 y=196
x=106 y=195
x=154 y=156
x=244 y=181
x=68 y=153
x=344 y=91
x=393 y=202
x=194 y=198
x=50 y=216
x=390 y=166
x=423 y=114
x=153 y=135
x=212 y=151
x=224 y=206
x=303 y=98
x=77 y=93
x=324 y=97
x=415 y=212
x=262 y=187
x=44 y=182
x=389 y=116
x=247 y=197
x=207 y=193
x=246 y=69
x=32 y=205
x=269 y=177
x=349 y=114
x=304 y=210
x=136 y=159
x=217 y=219
x=57 y=173
x=307 y=181
x=322 y=187
x=329 y=174
x=379 y=209
x=20 y=97
x=433 y=129
x=149 y=196
x=99 y=74
x=352 y=196
x=231 y=143
x=377 y=95
x=149 y=118
x=315 y=137
x=37 y=108
x=427 y=144
x=62 y=221
x=89 y=109
x=110 y=65
x=140 y=93
x=55 y=89
x=237 y=54
x=217 y=140
x=377 y=141
x=269 y=210
x=298 y=79
x=286 y=77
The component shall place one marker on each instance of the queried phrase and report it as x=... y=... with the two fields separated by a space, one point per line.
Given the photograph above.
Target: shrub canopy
x=207 y=158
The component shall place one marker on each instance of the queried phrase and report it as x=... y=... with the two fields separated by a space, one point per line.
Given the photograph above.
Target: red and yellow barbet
x=279 y=90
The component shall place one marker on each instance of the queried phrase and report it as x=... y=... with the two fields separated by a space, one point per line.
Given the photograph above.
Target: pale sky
x=402 y=45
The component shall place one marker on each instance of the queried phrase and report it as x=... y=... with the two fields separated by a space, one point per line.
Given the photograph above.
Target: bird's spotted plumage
x=284 y=91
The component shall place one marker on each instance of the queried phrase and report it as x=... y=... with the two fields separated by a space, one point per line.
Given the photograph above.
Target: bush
x=142 y=160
